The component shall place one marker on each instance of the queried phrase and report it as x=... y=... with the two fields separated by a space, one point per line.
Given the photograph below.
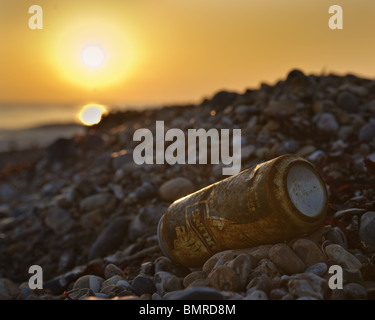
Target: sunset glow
x=166 y=51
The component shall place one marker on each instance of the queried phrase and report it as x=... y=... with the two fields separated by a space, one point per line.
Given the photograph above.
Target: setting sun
x=91 y=114
x=93 y=56
x=93 y=53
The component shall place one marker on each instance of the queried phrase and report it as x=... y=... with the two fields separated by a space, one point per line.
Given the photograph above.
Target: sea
x=27 y=126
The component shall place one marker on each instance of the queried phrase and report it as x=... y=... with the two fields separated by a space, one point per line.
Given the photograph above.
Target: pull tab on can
x=272 y=202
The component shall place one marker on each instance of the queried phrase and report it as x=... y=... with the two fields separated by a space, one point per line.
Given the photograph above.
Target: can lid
x=306 y=190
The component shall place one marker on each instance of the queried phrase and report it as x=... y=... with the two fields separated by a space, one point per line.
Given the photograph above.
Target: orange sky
x=168 y=51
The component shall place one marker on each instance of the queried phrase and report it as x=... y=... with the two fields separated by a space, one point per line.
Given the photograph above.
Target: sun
x=93 y=56
x=91 y=114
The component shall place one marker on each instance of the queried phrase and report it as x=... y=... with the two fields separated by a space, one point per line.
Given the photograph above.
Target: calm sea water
x=26 y=126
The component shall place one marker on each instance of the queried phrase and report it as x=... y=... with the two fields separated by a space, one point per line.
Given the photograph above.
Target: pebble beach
x=87 y=214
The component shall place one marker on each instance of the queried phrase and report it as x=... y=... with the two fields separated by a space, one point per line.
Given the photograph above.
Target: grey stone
x=285 y=259
x=308 y=252
x=197 y=293
x=256 y=295
x=225 y=256
x=327 y=122
x=307 y=284
x=354 y=291
x=147 y=268
x=319 y=269
x=242 y=266
x=113 y=270
x=347 y=101
x=165 y=264
x=367 y=231
x=160 y=278
x=59 y=220
x=191 y=277
x=120 y=160
x=256 y=253
x=8 y=289
x=266 y=267
x=352 y=276
x=147 y=218
x=336 y=236
x=91 y=282
x=110 y=238
x=262 y=283
x=112 y=280
x=80 y=293
x=342 y=257
x=176 y=188
x=367 y=132
x=281 y=107
x=277 y=293
x=199 y=283
x=224 y=278
x=95 y=201
x=143 y=284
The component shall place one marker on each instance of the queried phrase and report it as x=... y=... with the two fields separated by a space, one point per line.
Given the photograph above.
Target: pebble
x=148 y=268
x=242 y=266
x=191 y=277
x=319 y=269
x=352 y=276
x=113 y=270
x=256 y=253
x=327 y=122
x=111 y=281
x=308 y=252
x=59 y=220
x=307 y=284
x=80 y=293
x=197 y=293
x=223 y=256
x=265 y=267
x=282 y=107
x=199 y=283
x=347 y=101
x=166 y=282
x=224 y=278
x=285 y=259
x=165 y=264
x=8 y=289
x=367 y=231
x=342 y=257
x=176 y=188
x=91 y=282
x=348 y=212
x=278 y=293
x=337 y=236
x=95 y=201
x=262 y=283
x=110 y=238
x=256 y=295
x=354 y=291
x=147 y=218
x=367 y=132
x=143 y=284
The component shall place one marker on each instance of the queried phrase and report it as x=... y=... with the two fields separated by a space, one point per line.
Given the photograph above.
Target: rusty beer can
x=269 y=203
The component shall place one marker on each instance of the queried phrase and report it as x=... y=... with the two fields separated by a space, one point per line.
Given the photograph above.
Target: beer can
x=272 y=202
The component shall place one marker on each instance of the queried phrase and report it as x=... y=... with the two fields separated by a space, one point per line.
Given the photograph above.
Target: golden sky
x=165 y=51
